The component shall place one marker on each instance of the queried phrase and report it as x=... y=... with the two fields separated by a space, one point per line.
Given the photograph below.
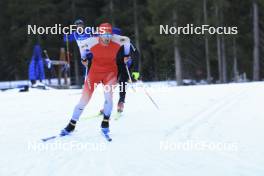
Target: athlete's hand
x=89 y=55
x=135 y=75
x=86 y=56
x=128 y=61
x=84 y=62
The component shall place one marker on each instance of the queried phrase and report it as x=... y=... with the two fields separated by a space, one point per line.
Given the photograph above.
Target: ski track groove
x=204 y=113
x=210 y=116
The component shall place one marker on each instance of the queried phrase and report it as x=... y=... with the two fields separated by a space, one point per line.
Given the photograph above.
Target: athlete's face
x=106 y=38
x=80 y=27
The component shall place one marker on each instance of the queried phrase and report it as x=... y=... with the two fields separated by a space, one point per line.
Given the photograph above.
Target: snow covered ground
x=198 y=131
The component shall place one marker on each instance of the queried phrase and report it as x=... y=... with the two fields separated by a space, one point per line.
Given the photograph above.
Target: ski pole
x=86 y=75
x=145 y=91
x=67 y=71
x=151 y=99
x=130 y=80
x=67 y=50
x=86 y=72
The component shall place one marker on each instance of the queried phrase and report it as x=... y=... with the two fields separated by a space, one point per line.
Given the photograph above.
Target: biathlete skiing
x=124 y=70
x=105 y=53
x=131 y=62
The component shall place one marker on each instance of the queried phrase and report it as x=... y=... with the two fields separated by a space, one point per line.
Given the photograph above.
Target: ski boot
x=105 y=128
x=69 y=128
x=120 y=107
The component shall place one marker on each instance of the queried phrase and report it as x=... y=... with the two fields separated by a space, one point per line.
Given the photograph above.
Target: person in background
x=81 y=39
x=123 y=77
x=36 y=68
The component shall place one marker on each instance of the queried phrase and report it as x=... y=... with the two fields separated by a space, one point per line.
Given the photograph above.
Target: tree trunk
x=208 y=69
x=219 y=54
x=136 y=31
x=256 y=42
x=111 y=8
x=224 y=69
x=177 y=57
x=223 y=50
x=76 y=60
x=235 y=67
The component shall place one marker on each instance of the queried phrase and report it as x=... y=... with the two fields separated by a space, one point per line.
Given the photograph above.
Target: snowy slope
x=185 y=137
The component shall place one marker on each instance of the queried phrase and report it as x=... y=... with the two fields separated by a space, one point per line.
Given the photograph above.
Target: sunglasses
x=107 y=36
